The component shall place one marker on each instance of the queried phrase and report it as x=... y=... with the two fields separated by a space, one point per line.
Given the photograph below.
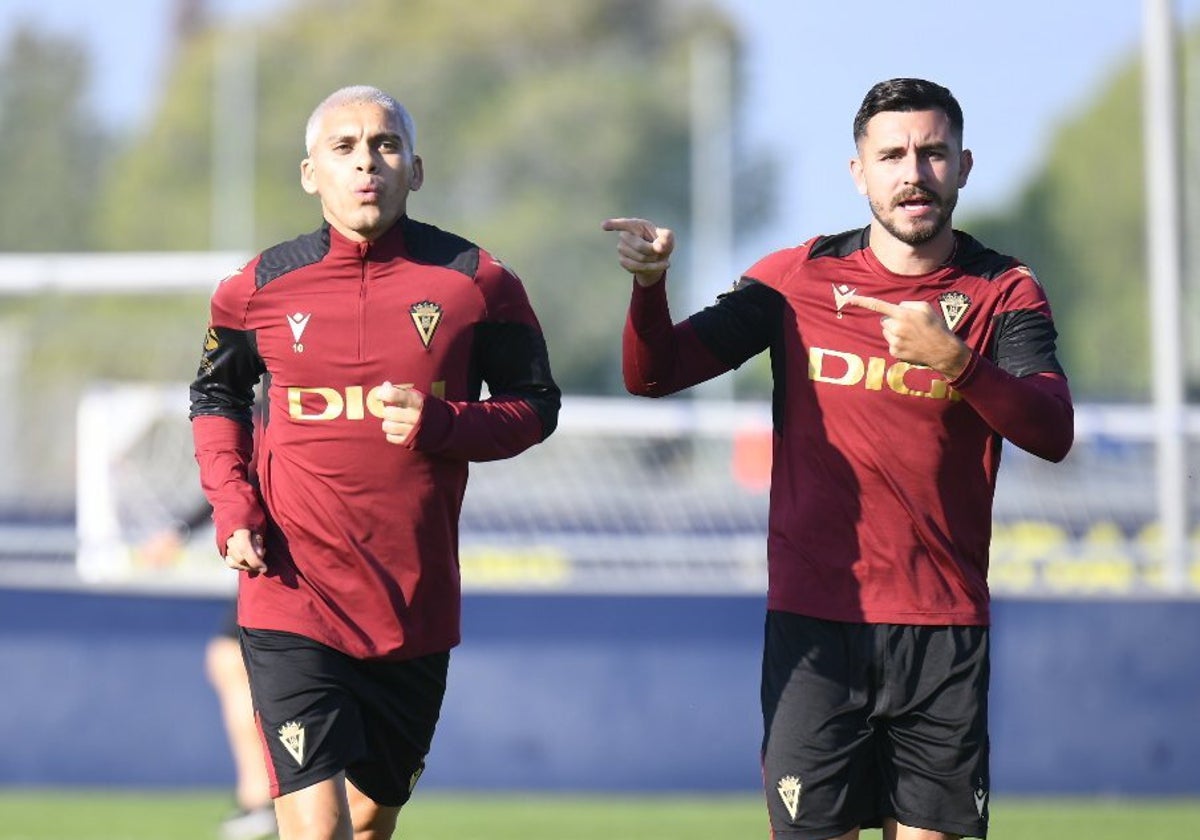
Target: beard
x=920 y=231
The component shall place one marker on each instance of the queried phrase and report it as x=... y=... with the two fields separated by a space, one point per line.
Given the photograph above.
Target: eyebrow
x=351 y=137
x=388 y=135
x=937 y=146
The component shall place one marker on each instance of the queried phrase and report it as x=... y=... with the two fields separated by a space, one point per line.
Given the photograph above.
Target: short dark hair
x=908 y=95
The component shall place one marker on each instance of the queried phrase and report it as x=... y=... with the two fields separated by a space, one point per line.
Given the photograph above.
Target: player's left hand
x=917 y=335
x=401 y=411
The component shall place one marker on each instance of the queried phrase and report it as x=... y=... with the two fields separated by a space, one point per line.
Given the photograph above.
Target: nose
x=365 y=159
x=912 y=169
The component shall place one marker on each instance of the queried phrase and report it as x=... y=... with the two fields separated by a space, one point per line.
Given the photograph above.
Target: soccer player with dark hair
x=374 y=336
x=903 y=354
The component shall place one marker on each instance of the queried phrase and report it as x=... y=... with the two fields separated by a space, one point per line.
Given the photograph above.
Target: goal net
x=633 y=496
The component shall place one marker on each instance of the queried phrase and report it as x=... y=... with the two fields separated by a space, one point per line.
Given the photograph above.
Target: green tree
x=535 y=120
x=1080 y=224
x=51 y=146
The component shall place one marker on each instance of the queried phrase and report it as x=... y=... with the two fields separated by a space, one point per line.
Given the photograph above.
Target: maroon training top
x=361 y=534
x=883 y=472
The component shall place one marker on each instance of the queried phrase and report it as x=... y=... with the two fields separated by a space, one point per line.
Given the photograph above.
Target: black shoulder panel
x=434 y=246
x=975 y=258
x=742 y=323
x=1024 y=343
x=288 y=256
x=839 y=244
x=512 y=359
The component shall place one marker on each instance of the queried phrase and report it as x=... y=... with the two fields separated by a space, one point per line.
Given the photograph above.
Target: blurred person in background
x=903 y=354
x=374 y=335
x=254 y=814
x=254 y=817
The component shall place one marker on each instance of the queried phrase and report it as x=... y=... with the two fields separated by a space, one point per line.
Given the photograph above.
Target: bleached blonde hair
x=363 y=94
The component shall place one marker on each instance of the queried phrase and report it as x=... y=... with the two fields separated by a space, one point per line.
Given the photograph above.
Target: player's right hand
x=644 y=248
x=244 y=551
x=402 y=406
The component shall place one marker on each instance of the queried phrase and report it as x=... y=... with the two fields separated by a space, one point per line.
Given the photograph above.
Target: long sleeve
x=1019 y=388
x=661 y=358
x=509 y=352
x=224 y=451
x=521 y=411
x=1034 y=412
x=222 y=402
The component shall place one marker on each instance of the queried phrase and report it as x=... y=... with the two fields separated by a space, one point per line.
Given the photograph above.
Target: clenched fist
x=401 y=411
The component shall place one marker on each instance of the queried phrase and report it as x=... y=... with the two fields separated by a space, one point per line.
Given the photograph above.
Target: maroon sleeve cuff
x=963 y=380
x=433 y=427
x=1034 y=412
x=648 y=303
x=223 y=452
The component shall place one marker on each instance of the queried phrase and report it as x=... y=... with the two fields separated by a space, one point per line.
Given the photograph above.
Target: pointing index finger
x=875 y=305
x=640 y=227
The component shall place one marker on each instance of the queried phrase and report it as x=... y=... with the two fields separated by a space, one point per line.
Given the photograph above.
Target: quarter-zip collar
x=389 y=245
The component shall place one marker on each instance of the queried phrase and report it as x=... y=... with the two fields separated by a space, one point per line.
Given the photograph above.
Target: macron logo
x=298 y=322
x=841 y=296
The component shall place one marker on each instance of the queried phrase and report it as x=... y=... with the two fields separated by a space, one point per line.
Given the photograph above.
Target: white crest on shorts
x=292 y=736
x=789 y=791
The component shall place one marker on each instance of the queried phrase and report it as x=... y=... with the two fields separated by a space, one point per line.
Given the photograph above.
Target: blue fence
x=597 y=693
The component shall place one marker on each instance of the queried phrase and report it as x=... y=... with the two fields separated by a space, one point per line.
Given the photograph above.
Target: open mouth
x=914 y=202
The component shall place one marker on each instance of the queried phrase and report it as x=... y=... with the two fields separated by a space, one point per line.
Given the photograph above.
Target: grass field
x=121 y=815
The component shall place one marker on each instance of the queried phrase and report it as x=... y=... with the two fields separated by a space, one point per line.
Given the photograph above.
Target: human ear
x=308 y=176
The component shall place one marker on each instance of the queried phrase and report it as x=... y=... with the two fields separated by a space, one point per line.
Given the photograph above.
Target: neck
x=901 y=258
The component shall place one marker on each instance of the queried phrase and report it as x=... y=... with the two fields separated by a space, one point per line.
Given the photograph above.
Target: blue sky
x=1019 y=68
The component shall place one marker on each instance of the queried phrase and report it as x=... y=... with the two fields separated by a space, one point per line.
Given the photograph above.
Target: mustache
x=916 y=193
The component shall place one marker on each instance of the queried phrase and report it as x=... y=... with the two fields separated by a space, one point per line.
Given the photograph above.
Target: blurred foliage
x=52 y=150
x=1080 y=225
x=535 y=121
x=61 y=345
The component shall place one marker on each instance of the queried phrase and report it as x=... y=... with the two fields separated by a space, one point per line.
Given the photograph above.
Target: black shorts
x=320 y=712
x=868 y=721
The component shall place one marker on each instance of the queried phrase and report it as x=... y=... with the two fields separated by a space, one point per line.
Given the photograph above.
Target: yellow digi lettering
x=333 y=403
x=873 y=372
x=895 y=380
x=352 y=403
x=816 y=367
x=374 y=403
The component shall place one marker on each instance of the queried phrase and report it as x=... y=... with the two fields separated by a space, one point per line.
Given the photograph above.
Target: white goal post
x=637 y=496
x=629 y=495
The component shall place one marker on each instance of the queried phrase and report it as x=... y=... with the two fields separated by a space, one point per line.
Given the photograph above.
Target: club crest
x=426 y=316
x=291 y=734
x=954 y=306
x=789 y=791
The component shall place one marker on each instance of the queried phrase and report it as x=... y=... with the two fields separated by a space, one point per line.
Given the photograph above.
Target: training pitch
x=124 y=815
